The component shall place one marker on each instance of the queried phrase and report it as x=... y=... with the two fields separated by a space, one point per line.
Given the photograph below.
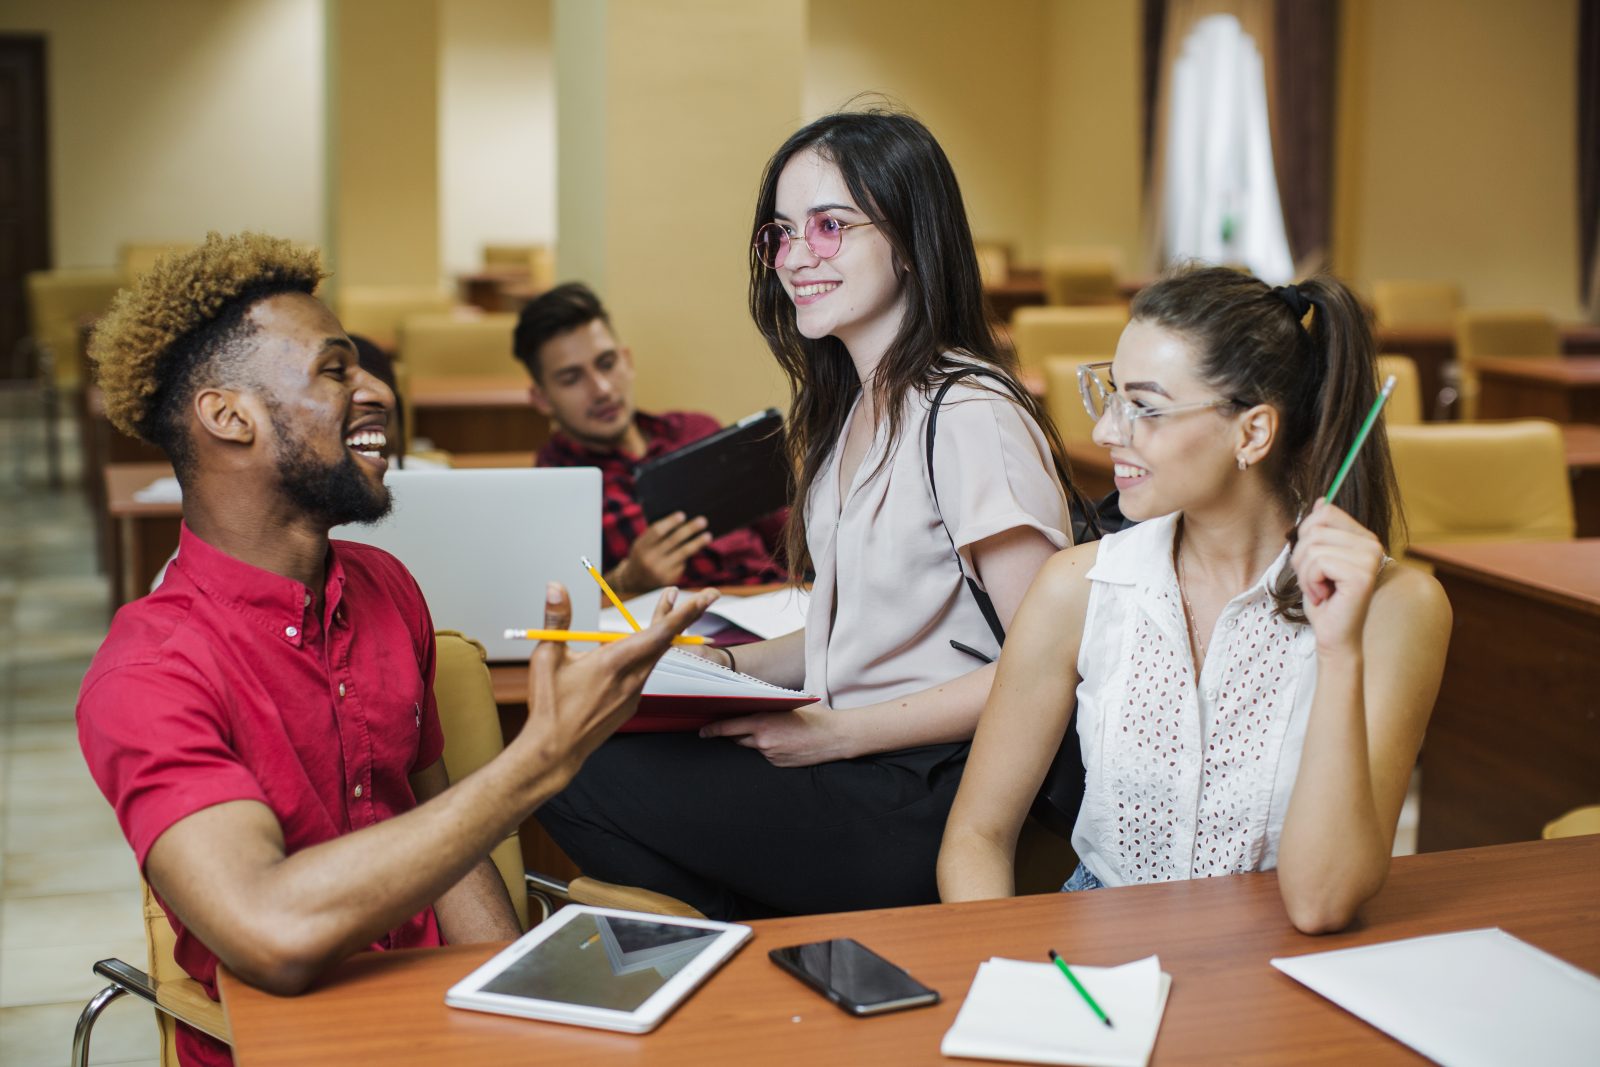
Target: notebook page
x=1479 y=997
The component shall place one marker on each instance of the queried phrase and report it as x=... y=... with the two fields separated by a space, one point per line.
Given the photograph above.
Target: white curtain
x=1221 y=194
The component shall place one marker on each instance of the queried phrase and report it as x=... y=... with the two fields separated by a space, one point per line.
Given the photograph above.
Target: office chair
x=1416 y=303
x=435 y=343
x=1405 y=403
x=1575 y=823
x=375 y=311
x=1498 y=333
x=1082 y=276
x=1082 y=333
x=1476 y=482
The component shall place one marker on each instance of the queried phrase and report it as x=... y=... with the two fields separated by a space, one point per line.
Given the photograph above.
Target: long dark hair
x=1322 y=378
x=899 y=177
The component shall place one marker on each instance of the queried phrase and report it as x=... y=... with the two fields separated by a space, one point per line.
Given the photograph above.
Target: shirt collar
x=573 y=452
x=1144 y=558
x=273 y=602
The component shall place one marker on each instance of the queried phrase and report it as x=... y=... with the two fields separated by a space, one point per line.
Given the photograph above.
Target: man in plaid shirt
x=583 y=381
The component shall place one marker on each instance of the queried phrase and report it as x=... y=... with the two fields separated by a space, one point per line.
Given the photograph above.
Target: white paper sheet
x=1029 y=1013
x=766 y=615
x=1479 y=997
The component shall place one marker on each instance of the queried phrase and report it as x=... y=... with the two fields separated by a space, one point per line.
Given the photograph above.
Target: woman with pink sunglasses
x=865 y=285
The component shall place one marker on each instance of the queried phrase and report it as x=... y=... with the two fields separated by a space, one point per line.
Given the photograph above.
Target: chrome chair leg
x=86 y=1020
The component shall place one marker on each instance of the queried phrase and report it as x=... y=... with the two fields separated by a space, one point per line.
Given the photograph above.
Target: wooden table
x=476 y=413
x=143 y=535
x=1515 y=735
x=1583 y=467
x=1566 y=389
x=1215 y=937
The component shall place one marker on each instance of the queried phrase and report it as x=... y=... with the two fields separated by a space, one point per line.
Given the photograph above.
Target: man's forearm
x=477 y=908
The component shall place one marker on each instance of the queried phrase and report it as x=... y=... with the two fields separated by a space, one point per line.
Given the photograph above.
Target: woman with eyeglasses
x=865 y=285
x=1251 y=680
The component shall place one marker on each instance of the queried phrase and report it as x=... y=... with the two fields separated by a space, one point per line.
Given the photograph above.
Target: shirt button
x=1211 y=694
x=1232 y=623
x=308 y=600
x=358 y=791
x=290 y=631
x=341 y=689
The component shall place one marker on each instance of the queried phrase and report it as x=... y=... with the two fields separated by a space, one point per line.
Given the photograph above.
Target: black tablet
x=734 y=477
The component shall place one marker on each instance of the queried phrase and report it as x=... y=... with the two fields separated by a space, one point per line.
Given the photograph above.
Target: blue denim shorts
x=1082 y=878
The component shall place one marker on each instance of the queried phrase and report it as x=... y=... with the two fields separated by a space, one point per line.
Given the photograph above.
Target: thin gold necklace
x=1199 y=644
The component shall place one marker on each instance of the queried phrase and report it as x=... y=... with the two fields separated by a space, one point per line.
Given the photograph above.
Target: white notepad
x=1464 y=999
x=770 y=614
x=1029 y=1013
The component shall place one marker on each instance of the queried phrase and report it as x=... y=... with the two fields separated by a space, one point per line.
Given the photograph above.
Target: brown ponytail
x=1320 y=375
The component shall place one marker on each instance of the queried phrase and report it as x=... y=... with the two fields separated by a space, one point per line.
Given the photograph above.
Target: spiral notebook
x=684 y=692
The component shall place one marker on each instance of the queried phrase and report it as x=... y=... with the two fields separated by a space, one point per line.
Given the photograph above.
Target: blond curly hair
x=141 y=347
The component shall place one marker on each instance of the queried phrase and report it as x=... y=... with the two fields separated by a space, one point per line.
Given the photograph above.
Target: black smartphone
x=853 y=976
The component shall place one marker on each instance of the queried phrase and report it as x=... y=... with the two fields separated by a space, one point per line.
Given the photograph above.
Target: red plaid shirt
x=742 y=557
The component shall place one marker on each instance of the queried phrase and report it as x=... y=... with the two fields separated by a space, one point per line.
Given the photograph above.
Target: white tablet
x=615 y=970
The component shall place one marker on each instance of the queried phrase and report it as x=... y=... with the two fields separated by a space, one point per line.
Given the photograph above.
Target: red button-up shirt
x=740 y=557
x=223 y=685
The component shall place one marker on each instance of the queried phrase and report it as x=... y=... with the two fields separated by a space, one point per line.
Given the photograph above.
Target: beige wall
x=975 y=73
x=497 y=118
x=1464 y=166
x=174 y=117
x=383 y=172
x=666 y=115
x=1093 y=170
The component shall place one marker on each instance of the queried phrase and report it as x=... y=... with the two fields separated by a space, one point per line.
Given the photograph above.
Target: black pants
x=715 y=825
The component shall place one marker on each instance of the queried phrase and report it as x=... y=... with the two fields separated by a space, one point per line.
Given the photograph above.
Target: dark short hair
x=561 y=310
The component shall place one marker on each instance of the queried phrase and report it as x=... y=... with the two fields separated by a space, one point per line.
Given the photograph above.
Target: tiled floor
x=69 y=891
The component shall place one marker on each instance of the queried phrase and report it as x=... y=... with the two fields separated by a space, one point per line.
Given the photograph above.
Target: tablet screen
x=603 y=961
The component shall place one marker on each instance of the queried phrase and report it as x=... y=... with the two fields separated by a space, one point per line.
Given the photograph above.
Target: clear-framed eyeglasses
x=1100 y=398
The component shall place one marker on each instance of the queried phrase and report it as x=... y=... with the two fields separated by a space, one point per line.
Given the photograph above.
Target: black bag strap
x=985 y=604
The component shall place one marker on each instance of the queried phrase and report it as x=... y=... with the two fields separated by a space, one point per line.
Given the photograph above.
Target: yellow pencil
x=606 y=589
x=589 y=635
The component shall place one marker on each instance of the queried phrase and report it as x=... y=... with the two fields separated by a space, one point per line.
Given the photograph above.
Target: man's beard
x=333 y=493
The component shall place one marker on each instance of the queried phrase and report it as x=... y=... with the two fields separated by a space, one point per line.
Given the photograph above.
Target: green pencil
x=1082 y=992
x=1361 y=438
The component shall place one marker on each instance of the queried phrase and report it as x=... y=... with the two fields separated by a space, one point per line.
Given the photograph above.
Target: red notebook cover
x=665 y=714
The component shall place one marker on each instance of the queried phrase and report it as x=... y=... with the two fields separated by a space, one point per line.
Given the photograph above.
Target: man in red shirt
x=583 y=382
x=264 y=723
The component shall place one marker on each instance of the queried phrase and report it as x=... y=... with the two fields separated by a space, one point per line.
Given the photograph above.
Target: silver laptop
x=483 y=543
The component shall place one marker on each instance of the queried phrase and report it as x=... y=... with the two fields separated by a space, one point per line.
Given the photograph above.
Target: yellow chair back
x=1575 y=823
x=1082 y=276
x=470 y=720
x=1405 y=403
x=994 y=263
x=57 y=301
x=1064 y=400
x=375 y=311
x=1499 y=333
x=452 y=344
x=1085 y=334
x=174 y=988
x=1416 y=303
x=1474 y=482
x=536 y=261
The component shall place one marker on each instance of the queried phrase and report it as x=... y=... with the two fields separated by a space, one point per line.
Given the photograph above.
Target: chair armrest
x=592 y=891
x=182 y=998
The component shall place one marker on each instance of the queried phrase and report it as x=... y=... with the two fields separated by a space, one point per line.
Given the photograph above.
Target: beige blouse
x=889 y=596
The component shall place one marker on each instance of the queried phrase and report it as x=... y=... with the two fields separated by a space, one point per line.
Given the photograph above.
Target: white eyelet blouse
x=1184 y=780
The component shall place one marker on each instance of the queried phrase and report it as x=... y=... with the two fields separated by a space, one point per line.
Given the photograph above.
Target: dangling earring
x=1243 y=463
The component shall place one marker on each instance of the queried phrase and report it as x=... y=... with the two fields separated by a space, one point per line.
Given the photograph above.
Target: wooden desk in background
x=142 y=535
x=1515 y=735
x=1566 y=389
x=476 y=413
x=1214 y=936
